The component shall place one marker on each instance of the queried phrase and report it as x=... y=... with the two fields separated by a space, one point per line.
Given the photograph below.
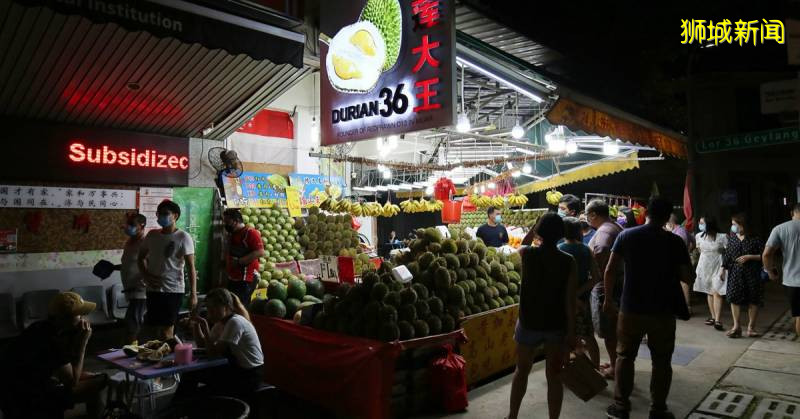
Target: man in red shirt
x=244 y=249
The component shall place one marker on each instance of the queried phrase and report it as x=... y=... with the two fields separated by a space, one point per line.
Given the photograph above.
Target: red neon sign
x=80 y=153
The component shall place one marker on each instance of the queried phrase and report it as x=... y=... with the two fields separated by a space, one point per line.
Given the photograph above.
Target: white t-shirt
x=129 y=271
x=165 y=257
x=242 y=340
x=786 y=237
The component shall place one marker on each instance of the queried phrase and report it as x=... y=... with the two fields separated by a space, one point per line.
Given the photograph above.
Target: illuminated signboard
x=82 y=154
x=387 y=68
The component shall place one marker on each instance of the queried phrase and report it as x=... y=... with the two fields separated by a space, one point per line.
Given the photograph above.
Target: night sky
x=629 y=53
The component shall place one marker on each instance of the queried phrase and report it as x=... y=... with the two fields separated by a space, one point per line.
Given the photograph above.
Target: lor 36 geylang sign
x=387 y=67
x=39 y=151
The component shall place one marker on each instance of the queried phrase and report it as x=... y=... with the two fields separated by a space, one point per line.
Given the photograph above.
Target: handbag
x=580 y=377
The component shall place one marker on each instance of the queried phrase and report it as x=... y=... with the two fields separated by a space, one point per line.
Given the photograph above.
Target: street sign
x=749 y=140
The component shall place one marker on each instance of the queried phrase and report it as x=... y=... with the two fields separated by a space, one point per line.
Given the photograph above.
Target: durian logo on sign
x=386 y=58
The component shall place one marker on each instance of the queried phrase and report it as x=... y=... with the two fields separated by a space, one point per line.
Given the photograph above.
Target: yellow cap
x=70 y=304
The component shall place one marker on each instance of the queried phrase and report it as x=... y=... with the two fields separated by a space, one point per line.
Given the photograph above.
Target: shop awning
x=190 y=23
x=66 y=68
x=600 y=168
x=579 y=112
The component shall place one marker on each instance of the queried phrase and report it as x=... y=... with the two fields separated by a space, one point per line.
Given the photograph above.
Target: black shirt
x=493 y=236
x=34 y=356
x=545 y=274
x=652 y=257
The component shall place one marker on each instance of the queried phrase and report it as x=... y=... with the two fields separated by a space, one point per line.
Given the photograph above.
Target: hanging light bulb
x=611 y=148
x=387 y=174
x=557 y=144
x=463 y=124
x=527 y=169
x=517 y=132
x=572 y=147
x=516 y=173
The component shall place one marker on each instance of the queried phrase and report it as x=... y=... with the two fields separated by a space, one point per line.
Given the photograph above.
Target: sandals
x=718 y=326
x=709 y=321
x=734 y=333
x=753 y=334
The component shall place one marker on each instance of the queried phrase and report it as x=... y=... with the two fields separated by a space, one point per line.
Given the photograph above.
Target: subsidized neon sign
x=80 y=153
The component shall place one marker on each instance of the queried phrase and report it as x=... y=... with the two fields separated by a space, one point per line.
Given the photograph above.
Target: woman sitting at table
x=232 y=336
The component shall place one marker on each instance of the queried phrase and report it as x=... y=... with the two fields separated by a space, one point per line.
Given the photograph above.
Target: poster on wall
x=387 y=68
x=8 y=240
x=310 y=186
x=30 y=196
x=255 y=190
x=149 y=198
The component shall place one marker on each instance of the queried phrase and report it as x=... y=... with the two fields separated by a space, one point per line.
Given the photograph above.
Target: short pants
x=794 y=300
x=604 y=325
x=163 y=308
x=535 y=338
x=134 y=316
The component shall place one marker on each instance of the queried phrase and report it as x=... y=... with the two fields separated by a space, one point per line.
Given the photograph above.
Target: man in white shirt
x=785 y=239
x=163 y=255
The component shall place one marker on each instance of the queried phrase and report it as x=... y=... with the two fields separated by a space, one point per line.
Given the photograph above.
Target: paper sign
x=27 y=196
x=293 y=202
x=8 y=240
x=149 y=198
x=329 y=269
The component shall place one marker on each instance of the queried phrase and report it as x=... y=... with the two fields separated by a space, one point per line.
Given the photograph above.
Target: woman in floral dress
x=710 y=280
x=745 y=288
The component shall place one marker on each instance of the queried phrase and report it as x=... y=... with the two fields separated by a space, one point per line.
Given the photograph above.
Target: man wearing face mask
x=244 y=249
x=493 y=233
x=132 y=281
x=163 y=255
x=569 y=206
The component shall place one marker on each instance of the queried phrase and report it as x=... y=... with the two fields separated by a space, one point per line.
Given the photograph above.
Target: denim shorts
x=535 y=338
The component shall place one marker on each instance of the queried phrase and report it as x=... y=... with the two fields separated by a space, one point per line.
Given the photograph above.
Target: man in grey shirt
x=785 y=239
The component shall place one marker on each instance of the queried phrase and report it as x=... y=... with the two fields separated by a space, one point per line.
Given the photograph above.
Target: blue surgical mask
x=164 y=221
x=734 y=229
x=701 y=227
x=497 y=219
x=562 y=213
x=131 y=231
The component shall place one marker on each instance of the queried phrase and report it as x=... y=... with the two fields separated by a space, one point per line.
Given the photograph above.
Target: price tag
x=329 y=269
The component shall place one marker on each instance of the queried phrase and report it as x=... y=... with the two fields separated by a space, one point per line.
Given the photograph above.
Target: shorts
x=794 y=300
x=163 y=308
x=604 y=325
x=134 y=316
x=535 y=338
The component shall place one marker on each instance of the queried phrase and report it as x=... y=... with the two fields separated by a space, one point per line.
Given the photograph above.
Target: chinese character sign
x=14 y=196
x=308 y=184
x=253 y=189
x=388 y=67
x=705 y=32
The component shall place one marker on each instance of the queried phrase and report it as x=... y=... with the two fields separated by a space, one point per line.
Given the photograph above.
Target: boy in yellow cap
x=42 y=368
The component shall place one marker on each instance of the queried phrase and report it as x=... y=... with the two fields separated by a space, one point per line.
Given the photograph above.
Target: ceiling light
x=526 y=151
x=502 y=80
x=556 y=144
x=517 y=132
x=526 y=168
x=516 y=173
x=387 y=174
x=463 y=124
x=492 y=185
x=572 y=147
x=393 y=187
x=611 y=148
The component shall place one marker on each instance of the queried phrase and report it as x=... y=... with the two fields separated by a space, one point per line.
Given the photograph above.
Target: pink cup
x=183 y=353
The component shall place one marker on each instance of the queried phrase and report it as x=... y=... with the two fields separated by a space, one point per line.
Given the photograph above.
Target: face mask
x=497 y=218
x=562 y=213
x=131 y=231
x=164 y=221
x=701 y=227
x=734 y=229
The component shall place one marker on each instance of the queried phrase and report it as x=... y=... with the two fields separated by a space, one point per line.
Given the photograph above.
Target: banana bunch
x=517 y=200
x=372 y=209
x=334 y=191
x=321 y=195
x=498 y=202
x=481 y=201
x=389 y=210
x=437 y=205
x=355 y=209
x=613 y=211
x=553 y=197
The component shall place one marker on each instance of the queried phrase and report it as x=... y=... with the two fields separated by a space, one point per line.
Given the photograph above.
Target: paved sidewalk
x=703 y=357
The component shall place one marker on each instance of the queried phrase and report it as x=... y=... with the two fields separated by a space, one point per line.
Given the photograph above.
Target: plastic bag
x=449 y=382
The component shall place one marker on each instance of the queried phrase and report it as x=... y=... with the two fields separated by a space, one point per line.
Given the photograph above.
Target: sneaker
x=661 y=414
x=615 y=412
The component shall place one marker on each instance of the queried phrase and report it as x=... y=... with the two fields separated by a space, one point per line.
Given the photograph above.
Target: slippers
x=753 y=334
x=718 y=326
x=709 y=321
x=734 y=333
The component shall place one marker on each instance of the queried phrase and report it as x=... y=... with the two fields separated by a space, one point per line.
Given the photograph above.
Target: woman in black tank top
x=546 y=313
